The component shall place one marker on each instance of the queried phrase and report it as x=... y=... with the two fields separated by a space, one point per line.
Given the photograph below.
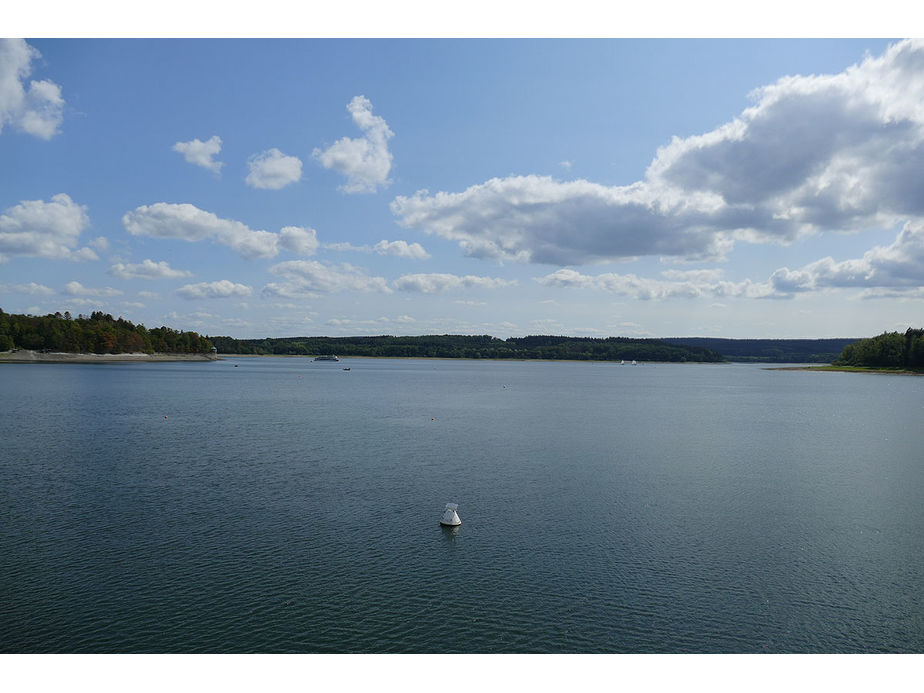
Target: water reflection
x=450 y=533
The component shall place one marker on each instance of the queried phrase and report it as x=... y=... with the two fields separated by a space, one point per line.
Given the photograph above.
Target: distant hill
x=770 y=350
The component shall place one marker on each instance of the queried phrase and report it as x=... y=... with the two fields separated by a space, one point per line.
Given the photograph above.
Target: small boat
x=328 y=357
x=346 y=369
x=450 y=517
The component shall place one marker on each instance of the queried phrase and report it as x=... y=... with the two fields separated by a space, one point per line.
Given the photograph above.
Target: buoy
x=450 y=517
x=165 y=416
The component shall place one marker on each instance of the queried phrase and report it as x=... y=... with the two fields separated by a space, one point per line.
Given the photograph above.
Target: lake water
x=283 y=505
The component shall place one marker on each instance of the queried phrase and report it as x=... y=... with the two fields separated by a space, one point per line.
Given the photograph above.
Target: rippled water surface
x=282 y=505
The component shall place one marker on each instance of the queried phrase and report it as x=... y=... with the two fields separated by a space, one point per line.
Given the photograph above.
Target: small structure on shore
x=450 y=517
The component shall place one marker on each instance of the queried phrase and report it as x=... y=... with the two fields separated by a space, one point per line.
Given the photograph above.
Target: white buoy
x=450 y=517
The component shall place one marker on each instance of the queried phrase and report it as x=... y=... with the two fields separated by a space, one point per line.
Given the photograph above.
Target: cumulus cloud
x=45 y=229
x=219 y=289
x=413 y=251
x=813 y=154
x=201 y=153
x=189 y=223
x=36 y=110
x=147 y=269
x=77 y=289
x=272 y=170
x=299 y=240
x=675 y=284
x=365 y=161
x=436 y=283
x=309 y=278
x=893 y=270
x=31 y=289
x=539 y=219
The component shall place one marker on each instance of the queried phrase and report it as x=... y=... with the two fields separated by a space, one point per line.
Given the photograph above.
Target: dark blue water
x=281 y=505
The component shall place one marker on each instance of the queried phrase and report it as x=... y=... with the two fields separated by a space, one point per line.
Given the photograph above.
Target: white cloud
x=219 y=289
x=893 y=270
x=676 y=284
x=413 y=251
x=539 y=219
x=299 y=240
x=37 y=110
x=189 y=223
x=31 y=289
x=100 y=243
x=436 y=283
x=272 y=170
x=365 y=161
x=201 y=153
x=148 y=269
x=309 y=277
x=838 y=153
x=45 y=229
x=78 y=289
x=348 y=247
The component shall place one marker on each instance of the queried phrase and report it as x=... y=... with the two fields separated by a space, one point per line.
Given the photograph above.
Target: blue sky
x=626 y=187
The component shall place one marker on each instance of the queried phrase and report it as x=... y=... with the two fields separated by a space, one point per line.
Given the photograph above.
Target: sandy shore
x=25 y=356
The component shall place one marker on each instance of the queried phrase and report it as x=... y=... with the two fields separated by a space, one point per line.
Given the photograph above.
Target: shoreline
x=845 y=369
x=26 y=356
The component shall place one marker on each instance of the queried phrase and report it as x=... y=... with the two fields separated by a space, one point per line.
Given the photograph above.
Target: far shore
x=846 y=369
x=26 y=356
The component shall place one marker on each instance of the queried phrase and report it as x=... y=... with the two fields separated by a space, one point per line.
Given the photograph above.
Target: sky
x=742 y=188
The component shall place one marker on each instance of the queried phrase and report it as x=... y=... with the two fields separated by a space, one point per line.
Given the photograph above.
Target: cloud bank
x=365 y=161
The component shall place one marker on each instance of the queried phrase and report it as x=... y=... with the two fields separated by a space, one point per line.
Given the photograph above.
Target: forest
x=770 y=350
x=890 y=350
x=97 y=333
x=474 y=347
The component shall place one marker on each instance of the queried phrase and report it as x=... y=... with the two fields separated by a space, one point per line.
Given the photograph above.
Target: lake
x=285 y=505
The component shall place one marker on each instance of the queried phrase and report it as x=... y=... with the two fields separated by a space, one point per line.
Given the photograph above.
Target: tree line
x=98 y=333
x=889 y=350
x=770 y=350
x=473 y=347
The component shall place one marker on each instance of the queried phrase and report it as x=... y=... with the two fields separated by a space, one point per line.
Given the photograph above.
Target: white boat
x=450 y=517
x=329 y=357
